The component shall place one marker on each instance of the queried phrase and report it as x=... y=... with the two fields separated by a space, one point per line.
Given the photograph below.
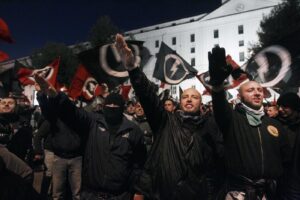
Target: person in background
x=170 y=105
x=289 y=116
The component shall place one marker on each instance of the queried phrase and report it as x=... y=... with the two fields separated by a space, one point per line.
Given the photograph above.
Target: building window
x=216 y=33
x=156 y=43
x=193 y=62
x=241 y=29
x=242 y=56
x=192 y=37
x=241 y=43
x=173 y=40
x=193 y=50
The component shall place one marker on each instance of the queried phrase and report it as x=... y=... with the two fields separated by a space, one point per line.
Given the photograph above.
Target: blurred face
x=130 y=109
x=169 y=106
x=139 y=111
x=272 y=111
x=285 y=112
x=7 y=105
x=190 y=100
x=251 y=94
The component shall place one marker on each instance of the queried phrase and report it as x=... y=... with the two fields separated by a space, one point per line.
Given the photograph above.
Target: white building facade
x=233 y=25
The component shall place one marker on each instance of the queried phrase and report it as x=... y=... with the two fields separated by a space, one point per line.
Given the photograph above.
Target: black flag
x=171 y=68
x=105 y=65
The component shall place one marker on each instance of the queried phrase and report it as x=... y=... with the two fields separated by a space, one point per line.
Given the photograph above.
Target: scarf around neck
x=253 y=116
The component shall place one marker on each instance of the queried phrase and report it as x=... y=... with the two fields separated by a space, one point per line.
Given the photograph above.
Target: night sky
x=33 y=23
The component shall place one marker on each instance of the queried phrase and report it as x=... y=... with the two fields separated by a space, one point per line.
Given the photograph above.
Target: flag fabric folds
x=171 y=68
x=4 y=32
x=84 y=85
x=25 y=75
x=3 y=56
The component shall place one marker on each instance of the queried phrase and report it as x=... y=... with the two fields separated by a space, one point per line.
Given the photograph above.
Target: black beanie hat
x=114 y=98
x=290 y=100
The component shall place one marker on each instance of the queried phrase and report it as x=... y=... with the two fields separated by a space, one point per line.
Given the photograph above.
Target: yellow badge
x=273 y=130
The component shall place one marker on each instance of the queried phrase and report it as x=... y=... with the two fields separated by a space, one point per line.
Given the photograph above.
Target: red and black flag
x=25 y=75
x=83 y=85
x=171 y=68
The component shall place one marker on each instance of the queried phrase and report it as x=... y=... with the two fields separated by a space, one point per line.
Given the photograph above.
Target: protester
x=182 y=156
x=289 y=115
x=67 y=149
x=169 y=105
x=272 y=111
x=18 y=134
x=141 y=119
x=16 y=177
x=114 y=148
x=256 y=146
x=130 y=110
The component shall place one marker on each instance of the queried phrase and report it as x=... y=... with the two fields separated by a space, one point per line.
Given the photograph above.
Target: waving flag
x=83 y=84
x=104 y=62
x=25 y=75
x=238 y=76
x=3 y=56
x=171 y=68
x=4 y=32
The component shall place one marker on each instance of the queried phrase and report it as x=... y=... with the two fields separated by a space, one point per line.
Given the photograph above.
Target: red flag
x=83 y=84
x=3 y=56
x=4 y=32
x=25 y=75
x=125 y=89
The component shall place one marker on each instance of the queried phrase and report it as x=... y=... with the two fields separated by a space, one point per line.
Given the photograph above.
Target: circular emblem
x=273 y=130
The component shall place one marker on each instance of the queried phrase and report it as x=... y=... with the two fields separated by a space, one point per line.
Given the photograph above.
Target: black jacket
x=64 y=140
x=254 y=152
x=184 y=150
x=111 y=161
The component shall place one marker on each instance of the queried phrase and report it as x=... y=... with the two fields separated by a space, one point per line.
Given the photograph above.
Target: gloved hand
x=218 y=68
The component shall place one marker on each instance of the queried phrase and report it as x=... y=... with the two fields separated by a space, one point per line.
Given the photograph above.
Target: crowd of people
x=151 y=148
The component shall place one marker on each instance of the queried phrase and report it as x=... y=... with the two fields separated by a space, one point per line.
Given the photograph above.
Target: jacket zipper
x=261 y=151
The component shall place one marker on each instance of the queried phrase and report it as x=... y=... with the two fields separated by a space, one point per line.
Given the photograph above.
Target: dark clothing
x=64 y=142
x=42 y=138
x=15 y=164
x=111 y=160
x=144 y=125
x=19 y=138
x=183 y=152
x=254 y=152
x=292 y=181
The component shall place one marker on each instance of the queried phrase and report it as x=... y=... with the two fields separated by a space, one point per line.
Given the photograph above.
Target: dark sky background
x=33 y=23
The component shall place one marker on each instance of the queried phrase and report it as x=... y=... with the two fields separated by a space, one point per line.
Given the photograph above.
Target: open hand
x=128 y=59
x=218 y=68
x=45 y=86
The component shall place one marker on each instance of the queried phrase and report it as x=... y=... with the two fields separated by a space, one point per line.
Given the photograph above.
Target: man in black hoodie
x=114 y=147
x=256 y=146
x=183 y=157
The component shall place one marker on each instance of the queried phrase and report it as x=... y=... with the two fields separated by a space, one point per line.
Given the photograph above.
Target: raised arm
x=219 y=71
x=144 y=89
x=58 y=104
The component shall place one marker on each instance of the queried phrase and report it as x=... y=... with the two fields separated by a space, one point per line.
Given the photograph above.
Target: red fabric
x=78 y=81
x=25 y=75
x=125 y=89
x=4 y=32
x=3 y=56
